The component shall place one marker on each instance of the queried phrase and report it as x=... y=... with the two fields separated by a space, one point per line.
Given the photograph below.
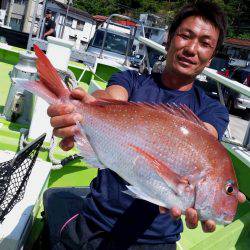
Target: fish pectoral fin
x=172 y=179
x=137 y=193
x=185 y=187
x=86 y=151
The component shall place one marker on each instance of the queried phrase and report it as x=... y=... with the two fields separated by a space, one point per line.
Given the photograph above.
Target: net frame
x=14 y=175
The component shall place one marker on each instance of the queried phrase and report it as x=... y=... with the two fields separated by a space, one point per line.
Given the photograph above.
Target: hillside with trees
x=238 y=11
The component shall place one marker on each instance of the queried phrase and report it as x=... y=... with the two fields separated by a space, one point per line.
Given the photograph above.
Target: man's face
x=192 y=47
x=48 y=16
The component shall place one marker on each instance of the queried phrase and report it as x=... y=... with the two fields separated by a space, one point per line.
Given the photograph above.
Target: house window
x=80 y=25
x=69 y=21
x=20 y=1
x=16 y=24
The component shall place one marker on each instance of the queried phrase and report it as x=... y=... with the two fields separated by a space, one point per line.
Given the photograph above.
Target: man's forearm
x=102 y=94
x=112 y=92
x=211 y=129
x=49 y=32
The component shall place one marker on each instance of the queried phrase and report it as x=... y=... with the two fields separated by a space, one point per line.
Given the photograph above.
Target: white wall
x=2 y=16
x=81 y=35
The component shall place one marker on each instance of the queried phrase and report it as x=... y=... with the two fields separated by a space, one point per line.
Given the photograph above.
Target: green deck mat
x=5 y=83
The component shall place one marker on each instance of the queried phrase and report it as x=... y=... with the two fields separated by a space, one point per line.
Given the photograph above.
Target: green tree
x=97 y=7
x=238 y=11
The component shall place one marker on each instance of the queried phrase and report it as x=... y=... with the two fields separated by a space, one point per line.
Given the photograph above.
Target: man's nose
x=191 y=48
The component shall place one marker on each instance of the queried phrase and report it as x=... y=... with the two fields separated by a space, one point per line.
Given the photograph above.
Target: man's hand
x=191 y=216
x=64 y=118
x=49 y=32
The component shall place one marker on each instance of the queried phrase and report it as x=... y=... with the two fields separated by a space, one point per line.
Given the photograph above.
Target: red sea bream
x=163 y=151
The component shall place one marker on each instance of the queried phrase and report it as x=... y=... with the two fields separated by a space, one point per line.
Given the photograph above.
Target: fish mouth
x=223 y=221
x=226 y=218
x=227 y=222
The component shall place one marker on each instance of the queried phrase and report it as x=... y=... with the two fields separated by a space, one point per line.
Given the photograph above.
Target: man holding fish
x=110 y=218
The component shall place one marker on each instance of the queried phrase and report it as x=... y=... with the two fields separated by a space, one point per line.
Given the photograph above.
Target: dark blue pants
x=68 y=229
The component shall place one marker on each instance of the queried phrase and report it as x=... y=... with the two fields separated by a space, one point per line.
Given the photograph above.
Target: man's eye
x=205 y=44
x=184 y=36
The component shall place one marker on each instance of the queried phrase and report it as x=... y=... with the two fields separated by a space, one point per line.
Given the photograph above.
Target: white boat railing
x=237 y=86
x=220 y=80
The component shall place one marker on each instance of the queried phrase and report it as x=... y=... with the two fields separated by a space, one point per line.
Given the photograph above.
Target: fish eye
x=229 y=189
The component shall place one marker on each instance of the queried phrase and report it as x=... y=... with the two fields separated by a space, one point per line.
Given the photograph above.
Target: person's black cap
x=48 y=12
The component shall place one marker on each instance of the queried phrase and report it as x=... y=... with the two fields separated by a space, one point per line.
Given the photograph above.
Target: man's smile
x=185 y=61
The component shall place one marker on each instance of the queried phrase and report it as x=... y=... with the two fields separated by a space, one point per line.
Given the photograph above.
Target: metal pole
x=28 y=13
x=222 y=101
x=64 y=23
x=32 y=25
x=9 y=12
x=105 y=36
x=128 y=45
x=41 y=22
x=246 y=140
x=221 y=97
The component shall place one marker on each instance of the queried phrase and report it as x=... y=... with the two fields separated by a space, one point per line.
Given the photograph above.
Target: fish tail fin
x=37 y=88
x=49 y=76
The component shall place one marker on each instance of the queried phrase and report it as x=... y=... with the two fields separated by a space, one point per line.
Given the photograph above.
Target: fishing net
x=14 y=175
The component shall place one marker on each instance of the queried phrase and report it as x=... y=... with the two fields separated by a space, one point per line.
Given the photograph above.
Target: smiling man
x=109 y=218
x=191 y=49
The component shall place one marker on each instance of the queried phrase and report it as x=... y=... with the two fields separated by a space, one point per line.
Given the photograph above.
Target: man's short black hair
x=48 y=12
x=207 y=10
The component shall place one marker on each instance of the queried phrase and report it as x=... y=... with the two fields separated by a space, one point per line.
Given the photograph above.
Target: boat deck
x=238 y=125
x=77 y=173
x=5 y=82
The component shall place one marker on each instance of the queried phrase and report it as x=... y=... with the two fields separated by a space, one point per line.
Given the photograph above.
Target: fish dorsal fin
x=185 y=112
x=176 y=110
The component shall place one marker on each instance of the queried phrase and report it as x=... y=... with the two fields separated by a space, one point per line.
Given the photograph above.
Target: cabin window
x=155 y=32
x=80 y=25
x=114 y=42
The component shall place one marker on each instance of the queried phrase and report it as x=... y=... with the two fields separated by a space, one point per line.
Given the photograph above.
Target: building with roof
x=19 y=13
x=71 y=23
x=237 y=48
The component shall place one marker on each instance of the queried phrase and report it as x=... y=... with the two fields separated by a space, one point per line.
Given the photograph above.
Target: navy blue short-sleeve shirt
x=112 y=210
